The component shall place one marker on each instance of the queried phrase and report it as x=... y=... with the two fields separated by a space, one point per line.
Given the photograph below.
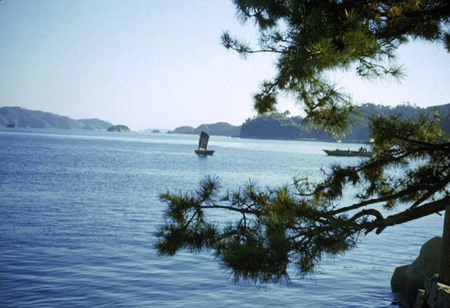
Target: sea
x=79 y=209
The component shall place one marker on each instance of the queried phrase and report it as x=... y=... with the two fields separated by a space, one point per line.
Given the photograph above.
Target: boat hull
x=348 y=153
x=204 y=152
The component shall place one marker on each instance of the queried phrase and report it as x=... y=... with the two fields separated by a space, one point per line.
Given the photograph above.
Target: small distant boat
x=203 y=145
x=350 y=153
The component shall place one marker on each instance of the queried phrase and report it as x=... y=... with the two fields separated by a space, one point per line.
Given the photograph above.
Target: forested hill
x=20 y=117
x=280 y=126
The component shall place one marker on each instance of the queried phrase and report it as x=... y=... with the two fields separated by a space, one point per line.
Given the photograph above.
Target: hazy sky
x=160 y=64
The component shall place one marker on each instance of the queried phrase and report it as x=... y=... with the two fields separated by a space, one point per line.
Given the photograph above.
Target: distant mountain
x=21 y=117
x=216 y=129
x=279 y=126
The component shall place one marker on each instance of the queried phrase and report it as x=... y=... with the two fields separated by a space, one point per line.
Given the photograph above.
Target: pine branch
x=406 y=216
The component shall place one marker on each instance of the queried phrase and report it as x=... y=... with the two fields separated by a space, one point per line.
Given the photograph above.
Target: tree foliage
x=302 y=223
x=312 y=38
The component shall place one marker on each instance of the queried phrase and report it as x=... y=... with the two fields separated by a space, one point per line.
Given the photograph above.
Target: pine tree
x=301 y=223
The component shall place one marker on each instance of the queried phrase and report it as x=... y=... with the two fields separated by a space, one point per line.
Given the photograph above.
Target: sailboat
x=203 y=145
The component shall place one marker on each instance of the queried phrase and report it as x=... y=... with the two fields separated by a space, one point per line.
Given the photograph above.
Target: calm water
x=78 y=211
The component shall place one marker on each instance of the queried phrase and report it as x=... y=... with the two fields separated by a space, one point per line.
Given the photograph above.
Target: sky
x=160 y=64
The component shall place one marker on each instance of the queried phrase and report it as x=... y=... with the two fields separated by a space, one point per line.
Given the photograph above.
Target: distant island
x=153 y=131
x=270 y=126
x=119 y=129
x=218 y=129
x=187 y=130
x=281 y=126
x=21 y=117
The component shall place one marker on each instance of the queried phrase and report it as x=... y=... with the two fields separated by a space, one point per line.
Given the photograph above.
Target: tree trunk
x=444 y=267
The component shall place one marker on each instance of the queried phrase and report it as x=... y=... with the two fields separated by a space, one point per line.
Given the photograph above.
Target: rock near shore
x=408 y=279
x=418 y=284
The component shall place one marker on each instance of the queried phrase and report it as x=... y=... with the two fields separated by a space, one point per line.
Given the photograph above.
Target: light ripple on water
x=78 y=211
